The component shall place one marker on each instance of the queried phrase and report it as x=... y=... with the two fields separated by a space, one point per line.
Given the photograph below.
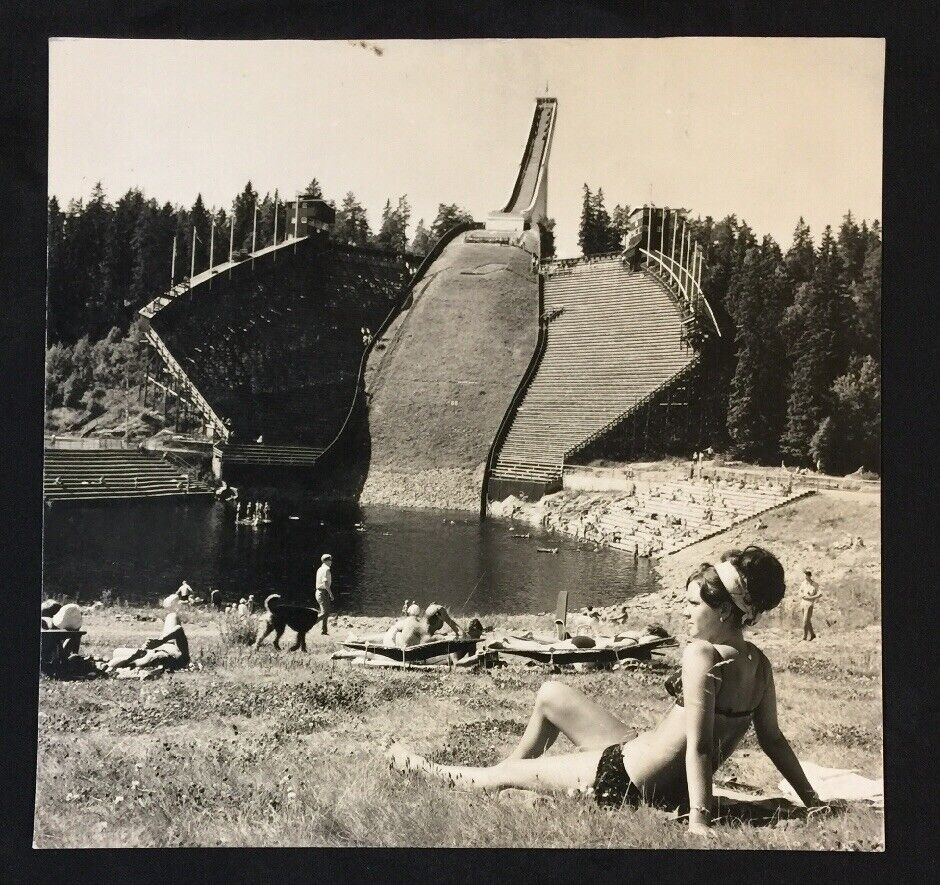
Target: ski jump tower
x=528 y=202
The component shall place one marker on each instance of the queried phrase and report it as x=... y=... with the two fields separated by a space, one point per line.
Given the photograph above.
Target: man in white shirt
x=324 y=587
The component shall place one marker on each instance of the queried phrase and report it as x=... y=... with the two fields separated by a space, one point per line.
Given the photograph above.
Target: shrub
x=236 y=629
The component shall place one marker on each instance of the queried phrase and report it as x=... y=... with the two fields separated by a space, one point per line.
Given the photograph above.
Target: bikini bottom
x=612 y=785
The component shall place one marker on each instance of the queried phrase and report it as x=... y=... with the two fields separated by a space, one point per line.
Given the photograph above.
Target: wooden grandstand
x=100 y=474
x=614 y=338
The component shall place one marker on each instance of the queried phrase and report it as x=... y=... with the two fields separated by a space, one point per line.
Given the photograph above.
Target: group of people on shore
x=60 y=641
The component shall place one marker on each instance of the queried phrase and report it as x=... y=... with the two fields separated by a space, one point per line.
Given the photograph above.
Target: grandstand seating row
x=663 y=519
x=114 y=473
x=615 y=338
x=259 y=453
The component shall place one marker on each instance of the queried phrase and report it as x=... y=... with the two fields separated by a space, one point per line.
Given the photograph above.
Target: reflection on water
x=142 y=550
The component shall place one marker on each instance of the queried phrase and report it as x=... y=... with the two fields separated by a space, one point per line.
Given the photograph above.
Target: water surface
x=142 y=550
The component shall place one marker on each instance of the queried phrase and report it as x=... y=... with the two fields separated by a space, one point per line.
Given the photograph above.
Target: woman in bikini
x=725 y=684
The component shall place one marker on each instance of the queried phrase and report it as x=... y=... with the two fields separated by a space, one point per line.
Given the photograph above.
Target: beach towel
x=839 y=783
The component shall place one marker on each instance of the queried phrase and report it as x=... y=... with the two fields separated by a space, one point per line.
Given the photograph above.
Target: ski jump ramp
x=527 y=204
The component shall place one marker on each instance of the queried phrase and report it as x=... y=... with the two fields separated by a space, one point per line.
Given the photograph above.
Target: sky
x=769 y=129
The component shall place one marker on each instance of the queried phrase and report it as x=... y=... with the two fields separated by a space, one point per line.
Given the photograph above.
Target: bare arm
x=699 y=687
x=445 y=616
x=777 y=747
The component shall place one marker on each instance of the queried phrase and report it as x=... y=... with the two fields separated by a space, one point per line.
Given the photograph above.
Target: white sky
x=769 y=129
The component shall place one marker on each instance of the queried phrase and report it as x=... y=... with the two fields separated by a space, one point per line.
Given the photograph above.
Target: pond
x=142 y=550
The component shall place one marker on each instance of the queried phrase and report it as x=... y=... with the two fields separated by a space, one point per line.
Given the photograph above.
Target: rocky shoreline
x=436 y=488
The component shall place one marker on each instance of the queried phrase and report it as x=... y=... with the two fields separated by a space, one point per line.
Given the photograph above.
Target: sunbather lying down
x=170 y=651
x=433 y=649
x=413 y=630
x=726 y=683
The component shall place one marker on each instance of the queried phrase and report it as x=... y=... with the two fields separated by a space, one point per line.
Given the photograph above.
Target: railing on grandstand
x=177 y=371
x=84 y=443
x=677 y=259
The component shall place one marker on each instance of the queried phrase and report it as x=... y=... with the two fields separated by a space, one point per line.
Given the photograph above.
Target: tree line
x=105 y=260
x=800 y=366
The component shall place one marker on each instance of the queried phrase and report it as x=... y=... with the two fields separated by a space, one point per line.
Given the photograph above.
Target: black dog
x=298 y=617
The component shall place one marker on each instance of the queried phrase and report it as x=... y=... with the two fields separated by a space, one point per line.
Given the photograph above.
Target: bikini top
x=674 y=687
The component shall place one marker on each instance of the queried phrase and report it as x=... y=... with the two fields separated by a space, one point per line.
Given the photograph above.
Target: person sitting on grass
x=169 y=651
x=414 y=630
x=725 y=684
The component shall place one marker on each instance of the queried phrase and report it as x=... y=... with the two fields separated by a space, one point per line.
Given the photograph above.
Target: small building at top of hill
x=315 y=215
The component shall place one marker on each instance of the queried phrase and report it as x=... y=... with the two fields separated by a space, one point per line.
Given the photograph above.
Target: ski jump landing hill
x=440 y=380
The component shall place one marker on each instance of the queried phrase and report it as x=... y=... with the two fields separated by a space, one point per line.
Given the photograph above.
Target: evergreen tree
x=608 y=237
x=547 y=238
x=421 y=244
x=352 y=224
x=200 y=219
x=596 y=234
x=852 y=246
x=82 y=376
x=221 y=220
x=620 y=219
x=857 y=418
x=265 y=221
x=818 y=346
x=86 y=247
x=314 y=190
x=393 y=234
x=588 y=226
x=757 y=396
x=120 y=250
x=800 y=259
x=57 y=308
x=285 y=220
x=184 y=238
x=146 y=243
x=449 y=215
x=866 y=295
x=243 y=210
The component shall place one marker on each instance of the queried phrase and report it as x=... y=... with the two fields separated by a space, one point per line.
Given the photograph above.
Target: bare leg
x=560 y=709
x=565 y=772
x=808 y=623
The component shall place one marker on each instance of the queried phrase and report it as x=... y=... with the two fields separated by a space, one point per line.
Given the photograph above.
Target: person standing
x=809 y=593
x=324 y=588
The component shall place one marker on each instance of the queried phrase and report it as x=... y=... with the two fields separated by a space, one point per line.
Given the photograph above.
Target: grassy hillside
x=454 y=359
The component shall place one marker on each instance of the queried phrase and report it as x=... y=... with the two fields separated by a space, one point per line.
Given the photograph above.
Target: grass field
x=278 y=748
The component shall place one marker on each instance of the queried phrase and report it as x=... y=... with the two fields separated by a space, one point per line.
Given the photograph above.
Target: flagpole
x=212 y=245
x=275 y=218
x=173 y=264
x=675 y=227
x=254 y=234
x=231 y=242
x=192 y=265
